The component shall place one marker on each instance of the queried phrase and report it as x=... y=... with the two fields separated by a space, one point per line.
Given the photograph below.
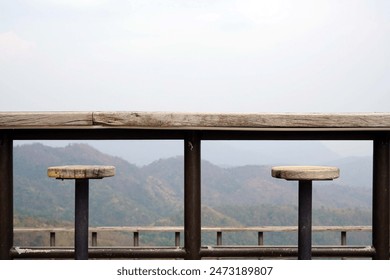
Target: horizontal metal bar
x=206 y=252
x=97 y=134
x=98 y=252
x=281 y=252
x=289 y=135
x=161 y=134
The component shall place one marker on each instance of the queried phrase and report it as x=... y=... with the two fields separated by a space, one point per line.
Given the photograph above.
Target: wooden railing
x=177 y=231
x=194 y=128
x=216 y=250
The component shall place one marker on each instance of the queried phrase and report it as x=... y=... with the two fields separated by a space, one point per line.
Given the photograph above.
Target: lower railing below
x=205 y=252
x=218 y=251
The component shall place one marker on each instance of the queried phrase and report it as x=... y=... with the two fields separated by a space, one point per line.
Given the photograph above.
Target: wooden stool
x=81 y=173
x=305 y=175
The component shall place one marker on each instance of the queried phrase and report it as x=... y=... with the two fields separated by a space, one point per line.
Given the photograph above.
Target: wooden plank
x=45 y=119
x=81 y=171
x=216 y=121
x=305 y=172
x=261 y=121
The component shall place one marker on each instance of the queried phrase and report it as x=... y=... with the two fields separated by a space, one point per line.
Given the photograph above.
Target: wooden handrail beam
x=194 y=121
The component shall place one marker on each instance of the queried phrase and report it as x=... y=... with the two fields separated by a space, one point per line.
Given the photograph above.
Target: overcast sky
x=195 y=55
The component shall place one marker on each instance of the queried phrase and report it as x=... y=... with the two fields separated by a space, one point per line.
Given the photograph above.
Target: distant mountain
x=111 y=199
x=222 y=153
x=153 y=194
x=354 y=171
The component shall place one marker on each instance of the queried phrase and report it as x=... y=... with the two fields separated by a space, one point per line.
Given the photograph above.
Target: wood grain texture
x=81 y=171
x=241 y=121
x=177 y=120
x=305 y=172
x=45 y=119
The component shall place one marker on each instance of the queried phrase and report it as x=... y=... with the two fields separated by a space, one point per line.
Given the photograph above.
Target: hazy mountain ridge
x=222 y=153
x=153 y=193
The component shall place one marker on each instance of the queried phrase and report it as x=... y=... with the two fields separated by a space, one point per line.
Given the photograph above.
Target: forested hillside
x=153 y=194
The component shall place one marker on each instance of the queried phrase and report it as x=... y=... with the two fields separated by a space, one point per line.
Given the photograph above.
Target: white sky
x=195 y=55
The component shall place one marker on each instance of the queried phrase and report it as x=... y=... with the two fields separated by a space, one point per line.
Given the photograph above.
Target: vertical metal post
x=81 y=219
x=380 y=210
x=6 y=197
x=177 y=239
x=52 y=239
x=260 y=238
x=192 y=200
x=219 y=238
x=94 y=238
x=136 y=239
x=304 y=219
x=343 y=238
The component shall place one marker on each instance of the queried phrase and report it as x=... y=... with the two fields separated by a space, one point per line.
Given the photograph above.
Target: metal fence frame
x=192 y=187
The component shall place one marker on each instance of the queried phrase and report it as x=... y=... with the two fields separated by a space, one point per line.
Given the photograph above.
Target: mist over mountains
x=155 y=191
x=229 y=153
x=153 y=194
x=355 y=170
x=222 y=153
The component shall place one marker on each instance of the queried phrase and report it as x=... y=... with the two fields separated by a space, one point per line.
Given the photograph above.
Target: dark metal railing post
x=380 y=210
x=81 y=219
x=52 y=239
x=219 y=238
x=260 y=238
x=135 y=239
x=94 y=238
x=343 y=238
x=304 y=219
x=6 y=196
x=192 y=200
x=177 y=239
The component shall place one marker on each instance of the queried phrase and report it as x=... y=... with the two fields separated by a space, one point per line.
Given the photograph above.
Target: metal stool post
x=305 y=175
x=81 y=174
x=81 y=219
x=304 y=219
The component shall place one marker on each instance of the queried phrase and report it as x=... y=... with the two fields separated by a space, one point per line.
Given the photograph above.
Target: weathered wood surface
x=45 y=119
x=205 y=229
x=241 y=121
x=172 y=120
x=305 y=172
x=81 y=171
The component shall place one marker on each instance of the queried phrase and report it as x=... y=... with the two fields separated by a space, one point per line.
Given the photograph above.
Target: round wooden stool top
x=81 y=171
x=305 y=172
